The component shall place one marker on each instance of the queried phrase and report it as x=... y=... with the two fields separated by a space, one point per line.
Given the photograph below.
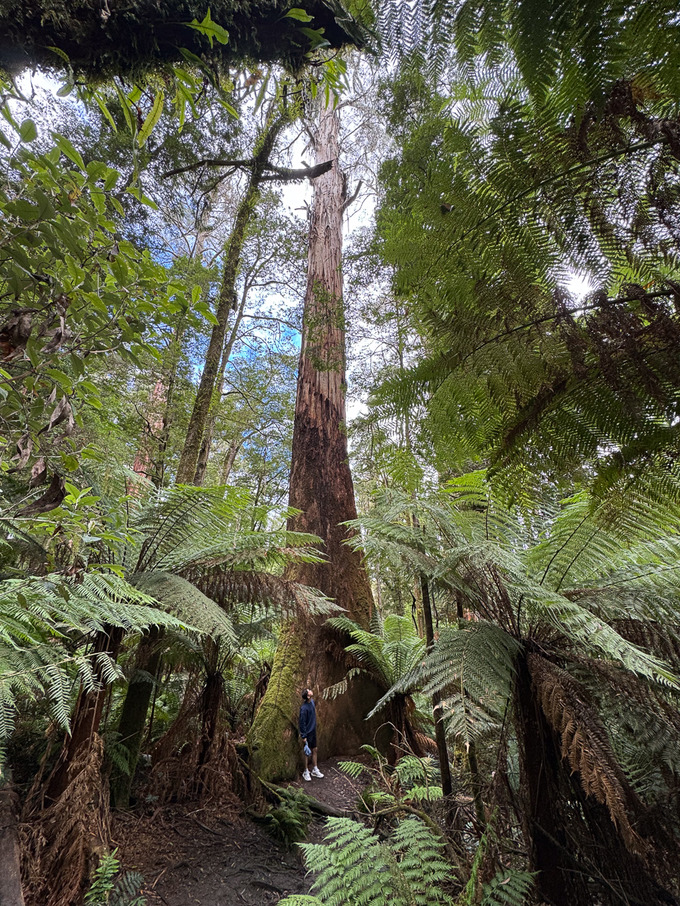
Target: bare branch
x=208 y=162
x=286 y=174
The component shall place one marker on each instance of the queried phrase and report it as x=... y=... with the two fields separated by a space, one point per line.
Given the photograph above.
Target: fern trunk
x=133 y=715
x=10 y=867
x=321 y=489
x=86 y=719
x=542 y=814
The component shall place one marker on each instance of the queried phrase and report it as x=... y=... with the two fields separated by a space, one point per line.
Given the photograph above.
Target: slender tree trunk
x=204 y=454
x=206 y=388
x=439 y=731
x=321 y=489
x=232 y=453
x=473 y=765
x=174 y=354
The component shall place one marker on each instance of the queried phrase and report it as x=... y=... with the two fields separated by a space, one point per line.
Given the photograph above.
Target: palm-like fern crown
x=389 y=652
x=587 y=599
x=556 y=152
x=182 y=551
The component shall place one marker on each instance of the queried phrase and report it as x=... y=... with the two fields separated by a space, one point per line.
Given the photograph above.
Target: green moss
x=273 y=740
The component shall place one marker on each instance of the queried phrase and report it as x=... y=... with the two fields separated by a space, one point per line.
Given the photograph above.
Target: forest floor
x=193 y=856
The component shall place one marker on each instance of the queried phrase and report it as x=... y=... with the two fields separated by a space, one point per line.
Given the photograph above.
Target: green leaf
x=316 y=37
x=137 y=193
x=127 y=113
x=101 y=103
x=152 y=118
x=60 y=53
x=68 y=149
x=299 y=14
x=28 y=131
x=70 y=462
x=210 y=29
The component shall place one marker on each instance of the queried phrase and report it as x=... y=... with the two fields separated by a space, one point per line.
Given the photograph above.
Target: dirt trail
x=193 y=857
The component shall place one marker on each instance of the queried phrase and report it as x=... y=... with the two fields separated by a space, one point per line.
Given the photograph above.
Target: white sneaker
x=316 y=773
x=306 y=775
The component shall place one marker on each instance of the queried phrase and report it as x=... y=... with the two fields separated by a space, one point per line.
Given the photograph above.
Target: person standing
x=307 y=726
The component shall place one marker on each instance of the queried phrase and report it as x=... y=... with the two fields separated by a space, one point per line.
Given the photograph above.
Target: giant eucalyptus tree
x=321 y=488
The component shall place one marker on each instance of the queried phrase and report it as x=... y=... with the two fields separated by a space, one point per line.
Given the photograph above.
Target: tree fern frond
x=353 y=866
x=508 y=888
x=585 y=745
x=183 y=600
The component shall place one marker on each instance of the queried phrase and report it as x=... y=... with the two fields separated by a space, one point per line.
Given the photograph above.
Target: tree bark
x=133 y=715
x=10 y=863
x=439 y=730
x=204 y=453
x=232 y=453
x=544 y=825
x=173 y=359
x=321 y=489
x=200 y=413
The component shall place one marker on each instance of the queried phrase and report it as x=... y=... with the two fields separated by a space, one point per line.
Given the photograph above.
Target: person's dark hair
x=305 y=695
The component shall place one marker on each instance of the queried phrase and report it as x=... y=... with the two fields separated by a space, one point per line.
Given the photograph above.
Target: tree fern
x=354 y=867
x=564 y=607
x=39 y=617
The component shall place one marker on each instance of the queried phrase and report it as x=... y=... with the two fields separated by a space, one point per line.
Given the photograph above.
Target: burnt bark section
x=321 y=488
x=87 y=716
x=107 y=37
x=10 y=861
x=200 y=414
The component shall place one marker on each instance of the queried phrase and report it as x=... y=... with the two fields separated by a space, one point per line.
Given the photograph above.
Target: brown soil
x=190 y=855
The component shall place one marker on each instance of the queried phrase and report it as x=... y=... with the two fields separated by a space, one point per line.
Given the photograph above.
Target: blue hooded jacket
x=307 y=722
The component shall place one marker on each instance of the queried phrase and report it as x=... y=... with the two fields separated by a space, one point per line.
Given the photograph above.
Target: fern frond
x=508 y=888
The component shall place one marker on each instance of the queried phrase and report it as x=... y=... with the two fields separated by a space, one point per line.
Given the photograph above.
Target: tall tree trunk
x=321 y=489
x=206 y=388
x=204 y=454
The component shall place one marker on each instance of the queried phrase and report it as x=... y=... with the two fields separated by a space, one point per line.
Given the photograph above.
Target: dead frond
x=61 y=840
x=585 y=746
